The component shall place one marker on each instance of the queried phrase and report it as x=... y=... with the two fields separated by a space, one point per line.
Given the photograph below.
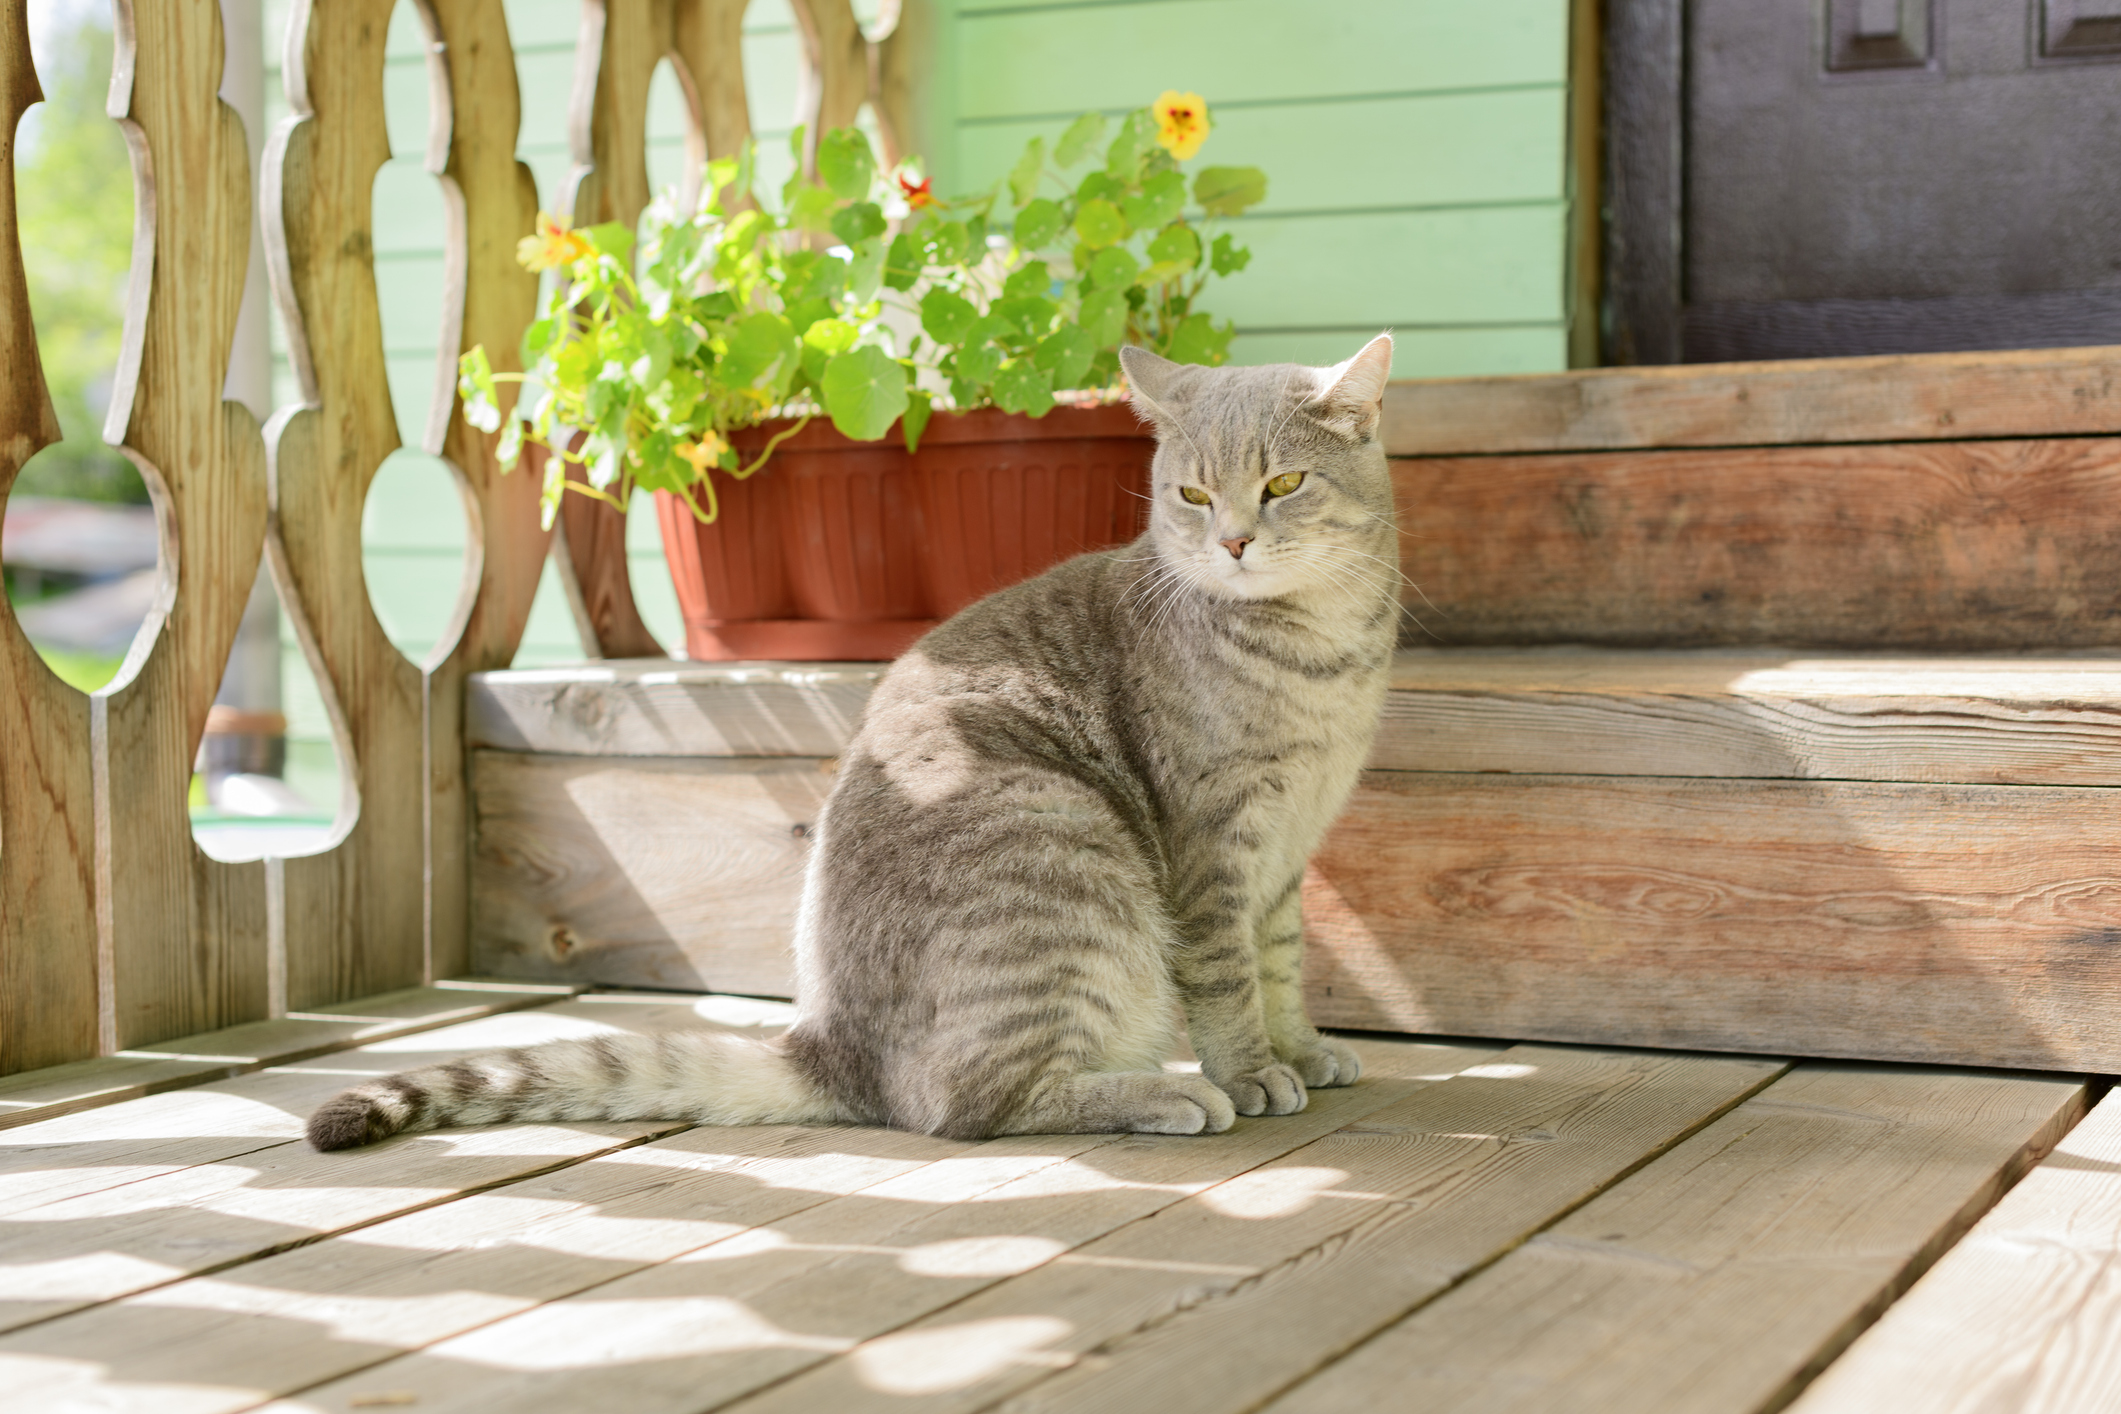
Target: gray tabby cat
x=1076 y=809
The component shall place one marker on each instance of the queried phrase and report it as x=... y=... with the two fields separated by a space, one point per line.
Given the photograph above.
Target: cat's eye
x=1194 y=494
x=1283 y=484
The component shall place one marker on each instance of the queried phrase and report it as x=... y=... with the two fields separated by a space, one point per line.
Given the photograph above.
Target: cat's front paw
x=1270 y=1090
x=1324 y=1062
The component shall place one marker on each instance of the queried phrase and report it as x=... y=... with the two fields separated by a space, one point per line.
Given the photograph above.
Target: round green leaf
x=1113 y=268
x=865 y=392
x=1076 y=143
x=947 y=316
x=1225 y=191
x=1099 y=223
x=846 y=163
x=1022 y=386
x=1176 y=245
x=859 y=222
x=1039 y=223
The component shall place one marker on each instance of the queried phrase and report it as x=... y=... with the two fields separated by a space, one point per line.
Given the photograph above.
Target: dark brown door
x=1808 y=178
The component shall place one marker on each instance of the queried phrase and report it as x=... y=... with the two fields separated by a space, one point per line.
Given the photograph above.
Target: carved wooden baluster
x=898 y=70
x=355 y=914
x=609 y=130
x=47 y=819
x=493 y=203
x=835 y=77
x=184 y=937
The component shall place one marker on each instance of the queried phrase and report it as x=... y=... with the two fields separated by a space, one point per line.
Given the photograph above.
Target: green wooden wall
x=1416 y=159
x=1415 y=154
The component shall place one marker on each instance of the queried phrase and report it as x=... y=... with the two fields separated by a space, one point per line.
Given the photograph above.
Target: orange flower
x=553 y=245
x=917 y=193
x=1181 y=123
x=704 y=453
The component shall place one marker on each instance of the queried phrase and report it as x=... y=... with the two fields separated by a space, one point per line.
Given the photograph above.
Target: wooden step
x=1864 y=855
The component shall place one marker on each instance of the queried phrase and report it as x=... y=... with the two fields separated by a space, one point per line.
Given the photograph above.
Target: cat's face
x=1270 y=481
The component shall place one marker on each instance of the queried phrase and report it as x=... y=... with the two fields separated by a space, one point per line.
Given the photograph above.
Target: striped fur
x=1075 y=813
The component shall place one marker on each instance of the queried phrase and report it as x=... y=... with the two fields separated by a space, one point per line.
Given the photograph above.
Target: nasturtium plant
x=864 y=298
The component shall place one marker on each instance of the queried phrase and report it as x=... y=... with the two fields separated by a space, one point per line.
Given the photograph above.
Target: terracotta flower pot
x=814 y=558
x=731 y=570
x=1005 y=496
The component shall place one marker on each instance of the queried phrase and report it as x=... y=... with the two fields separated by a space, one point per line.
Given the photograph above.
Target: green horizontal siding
x=1499 y=145
x=1059 y=60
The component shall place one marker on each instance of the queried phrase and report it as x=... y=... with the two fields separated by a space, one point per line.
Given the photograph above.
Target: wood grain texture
x=2019 y=1317
x=621 y=43
x=2000 y=720
x=1888 y=398
x=494 y=202
x=183 y=937
x=1997 y=720
x=736 y=1315
x=1216 y=1303
x=237 y=1050
x=1954 y=924
x=534 y=1241
x=1728 y=1271
x=47 y=819
x=1937 y=546
x=356 y=913
x=72 y=1252
x=667 y=708
x=639 y=872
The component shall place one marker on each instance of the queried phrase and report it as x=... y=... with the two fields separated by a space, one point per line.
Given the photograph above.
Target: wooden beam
x=47 y=820
x=1970 y=925
x=666 y=708
x=1888 y=398
x=2003 y=720
x=183 y=936
x=1953 y=546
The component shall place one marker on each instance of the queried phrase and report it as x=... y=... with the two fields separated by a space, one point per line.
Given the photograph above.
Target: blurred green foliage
x=74 y=193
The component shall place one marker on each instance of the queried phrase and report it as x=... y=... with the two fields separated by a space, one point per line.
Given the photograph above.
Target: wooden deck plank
x=214 y=1345
x=737 y=1315
x=238 y=1050
x=115 y=1217
x=1216 y=1302
x=1955 y=925
x=2021 y=1317
x=1723 y=1275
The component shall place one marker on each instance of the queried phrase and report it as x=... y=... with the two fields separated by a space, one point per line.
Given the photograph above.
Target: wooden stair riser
x=1972 y=924
x=1935 y=545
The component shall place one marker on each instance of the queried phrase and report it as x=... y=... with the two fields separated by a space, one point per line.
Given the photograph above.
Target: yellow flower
x=553 y=245
x=1181 y=123
x=704 y=453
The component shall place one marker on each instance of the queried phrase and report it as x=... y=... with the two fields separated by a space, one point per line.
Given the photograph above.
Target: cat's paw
x=1270 y=1090
x=1324 y=1063
x=1179 y=1104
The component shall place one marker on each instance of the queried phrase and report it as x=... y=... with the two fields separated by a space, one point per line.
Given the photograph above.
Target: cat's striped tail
x=708 y=1077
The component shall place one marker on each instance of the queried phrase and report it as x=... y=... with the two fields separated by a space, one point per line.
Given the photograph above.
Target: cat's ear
x=1351 y=395
x=1149 y=379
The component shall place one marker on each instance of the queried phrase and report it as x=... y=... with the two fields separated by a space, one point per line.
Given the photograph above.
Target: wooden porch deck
x=1477 y=1225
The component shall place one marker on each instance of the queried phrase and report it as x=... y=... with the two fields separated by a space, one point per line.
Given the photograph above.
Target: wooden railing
x=115 y=929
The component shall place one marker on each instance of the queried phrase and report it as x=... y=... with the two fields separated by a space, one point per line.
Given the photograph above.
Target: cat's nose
x=1236 y=546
